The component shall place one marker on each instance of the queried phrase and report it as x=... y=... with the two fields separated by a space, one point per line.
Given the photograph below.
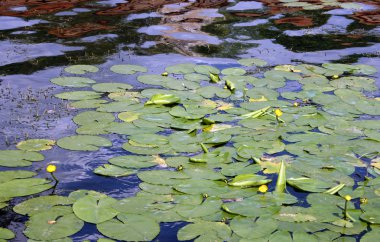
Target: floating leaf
x=81 y=69
x=252 y=61
x=205 y=231
x=111 y=87
x=234 y=71
x=250 y=228
x=95 y=209
x=41 y=204
x=130 y=227
x=207 y=208
x=114 y=171
x=281 y=180
x=78 y=95
x=309 y=184
x=15 y=158
x=83 y=142
x=6 y=234
x=35 y=144
x=180 y=69
x=205 y=69
x=91 y=117
x=53 y=224
x=133 y=161
x=128 y=69
x=24 y=187
x=72 y=81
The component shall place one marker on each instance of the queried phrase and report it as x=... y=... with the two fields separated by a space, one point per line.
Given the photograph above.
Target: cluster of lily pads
x=306 y=5
x=203 y=140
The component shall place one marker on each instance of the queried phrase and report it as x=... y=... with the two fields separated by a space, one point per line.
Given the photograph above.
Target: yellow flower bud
x=278 y=112
x=51 y=168
x=296 y=104
x=347 y=197
x=335 y=76
x=263 y=188
x=164 y=74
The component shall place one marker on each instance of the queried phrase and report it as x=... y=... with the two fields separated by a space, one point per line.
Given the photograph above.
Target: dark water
x=39 y=38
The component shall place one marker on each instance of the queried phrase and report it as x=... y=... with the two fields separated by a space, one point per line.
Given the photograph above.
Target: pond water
x=235 y=88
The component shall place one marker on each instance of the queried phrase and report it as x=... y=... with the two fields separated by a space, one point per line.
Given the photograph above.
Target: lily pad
x=95 y=209
x=41 y=204
x=36 y=144
x=252 y=61
x=78 y=95
x=53 y=224
x=111 y=87
x=248 y=180
x=163 y=99
x=206 y=69
x=91 y=117
x=18 y=158
x=128 y=69
x=180 y=69
x=83 y=142
x=205 y=231
x=130 y=227
x=112 y=170
x=6 y=234
x=133 y=161
x=81 y=69
x=24 y=187
x=234 y=71
x=250 y=228
x=72 y=81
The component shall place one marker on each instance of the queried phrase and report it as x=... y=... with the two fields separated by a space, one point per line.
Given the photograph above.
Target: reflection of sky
x=277 y=54
x=240 y=6
x=111 y=2
x=335 y=24
x=154 y=29
x=12 y=52
x=8 y=22
x=252 y=23
x=142 y=16
x=195 y=36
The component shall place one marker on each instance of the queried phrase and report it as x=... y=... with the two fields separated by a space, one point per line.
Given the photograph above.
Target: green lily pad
x=196 y=77
x=95 y=209
x=130 y=227
x=162 y=177
x=19 y=158
x=128 y=69
x=78 y=95
x=252 y=61
x=41 y=204
x=234 y=71
x=206 y=69
x=370 y=236
x=6 y=234
x=120 y=106
x=211 y=91
x=371 y=216
x=72 y=81
x=91 y=117
x=83 y=142
x=250 y=228
x=56 y=223
x=163 y=99
x=35 y=144
x=207 y=208
x=309 y=184
x=24 y=187
x=205 y=231
x=112 y=170
x=180 y=69
x=92 y=103
x=111 y=87
x=81 y=69
x=133 y=161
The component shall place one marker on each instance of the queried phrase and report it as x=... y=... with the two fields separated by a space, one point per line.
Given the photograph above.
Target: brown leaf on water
x=161 y=162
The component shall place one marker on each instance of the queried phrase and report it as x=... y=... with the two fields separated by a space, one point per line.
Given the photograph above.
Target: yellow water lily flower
x=278 y=112
x=263 y=188
x=335 y=76
x=347 y=197
x=51 y=168
x=296 y=104
x=164 y=74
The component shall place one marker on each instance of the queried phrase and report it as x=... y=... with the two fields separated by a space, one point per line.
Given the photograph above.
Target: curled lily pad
x=163 y=99
x=15 y=158
x=111 y=87
x=128 y=69
x=83 y=142
x=95 y=208
x=248 y=180
x=81 y=69
x=56 y=223
x=130 y=227
x=36 y=144
x=72 y=81
x=78 y=95
x=112 y=170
